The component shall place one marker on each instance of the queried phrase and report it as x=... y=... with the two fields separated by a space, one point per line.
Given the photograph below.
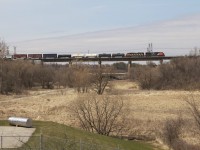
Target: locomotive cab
x=152 y=54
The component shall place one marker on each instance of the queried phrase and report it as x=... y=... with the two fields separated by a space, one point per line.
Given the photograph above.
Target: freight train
x=69 y=56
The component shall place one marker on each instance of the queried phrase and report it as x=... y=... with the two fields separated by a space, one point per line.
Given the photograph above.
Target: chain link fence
x=50 y=143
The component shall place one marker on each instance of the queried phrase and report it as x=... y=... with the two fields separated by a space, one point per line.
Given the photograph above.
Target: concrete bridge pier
x=129 y=68
x=33 y=62
x=99 y=63
x=41 y=62
x=70 y=64
x=161 y=61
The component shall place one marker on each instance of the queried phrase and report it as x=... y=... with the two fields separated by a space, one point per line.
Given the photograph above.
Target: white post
x=41 y=142
x=1 y=142
x=80 y=145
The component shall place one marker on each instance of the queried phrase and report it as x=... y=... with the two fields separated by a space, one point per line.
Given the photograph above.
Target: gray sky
x=71 y=26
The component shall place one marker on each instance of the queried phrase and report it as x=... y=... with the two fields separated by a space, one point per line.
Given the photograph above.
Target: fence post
x=80 y=145
x=117 y=147
x=41 y=148
x=1 y=142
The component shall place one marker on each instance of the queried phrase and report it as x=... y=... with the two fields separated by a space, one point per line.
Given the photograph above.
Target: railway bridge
x=106 y=59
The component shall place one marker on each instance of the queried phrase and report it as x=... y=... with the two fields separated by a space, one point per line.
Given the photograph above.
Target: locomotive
x=69 y=56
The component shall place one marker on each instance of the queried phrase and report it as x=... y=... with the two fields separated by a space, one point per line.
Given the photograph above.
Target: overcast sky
x=95 y=25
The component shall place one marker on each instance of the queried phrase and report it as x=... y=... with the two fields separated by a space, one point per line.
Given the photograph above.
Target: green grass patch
x=57 y=136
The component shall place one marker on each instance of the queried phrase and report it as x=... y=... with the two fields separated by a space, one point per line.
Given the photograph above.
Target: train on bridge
x=71 y=56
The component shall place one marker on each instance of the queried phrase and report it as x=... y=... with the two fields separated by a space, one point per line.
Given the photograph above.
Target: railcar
x=78 y=55
x=49 y=56
x=104 y=55
x=91 y=55
x=139 y=54
x=64 y=56
x=34 y=56
x=101 y=55
x=20 y=56
x=118 y=55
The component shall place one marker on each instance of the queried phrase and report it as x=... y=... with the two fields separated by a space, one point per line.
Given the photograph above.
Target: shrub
x=101 y=114
x=172 y=131
x=180 y=73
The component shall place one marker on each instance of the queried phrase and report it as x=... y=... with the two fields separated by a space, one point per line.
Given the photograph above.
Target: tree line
x=180 y=73
x=17 y=76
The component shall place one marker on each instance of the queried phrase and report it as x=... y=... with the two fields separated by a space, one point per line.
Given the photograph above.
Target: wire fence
x=50 y=143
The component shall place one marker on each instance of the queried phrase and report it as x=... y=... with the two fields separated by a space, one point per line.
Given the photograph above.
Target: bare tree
x=194 y=109
x=195 y=52
x=1 y=74
x=100 y=80
x=45 y=75
x=172 y=131
x=145 y=75
x=101 y=114
x=82 y=79
x=3 y=49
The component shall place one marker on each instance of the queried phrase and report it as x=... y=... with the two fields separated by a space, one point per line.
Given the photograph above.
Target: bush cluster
x=180 y=73
x=17 y=76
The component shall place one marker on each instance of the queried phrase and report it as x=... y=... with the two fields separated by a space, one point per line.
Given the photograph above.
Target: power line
x=174 y=48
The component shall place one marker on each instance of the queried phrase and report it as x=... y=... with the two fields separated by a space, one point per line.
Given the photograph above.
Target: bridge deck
x=105 y=59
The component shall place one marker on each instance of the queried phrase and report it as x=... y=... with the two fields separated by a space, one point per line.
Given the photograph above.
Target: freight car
x=104 y=55
x=139 y=54
x=118 y=55
x=34 y=56
x=78 y=55
x=64 y=56
x=101 y=55
x=91 y=55
x=49 y=56
x=19 y=56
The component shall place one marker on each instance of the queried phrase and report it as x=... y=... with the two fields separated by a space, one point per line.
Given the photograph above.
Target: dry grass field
x=149 y=109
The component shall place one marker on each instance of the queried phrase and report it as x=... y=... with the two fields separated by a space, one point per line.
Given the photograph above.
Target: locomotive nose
x=161 y=54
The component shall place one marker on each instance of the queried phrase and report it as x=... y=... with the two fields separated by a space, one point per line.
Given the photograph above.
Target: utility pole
x=7 y=51
x=150 y=47
x=150 y=50
x=15 y=49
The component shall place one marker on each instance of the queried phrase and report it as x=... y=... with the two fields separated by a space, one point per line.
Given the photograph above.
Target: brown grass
x=149 y=108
